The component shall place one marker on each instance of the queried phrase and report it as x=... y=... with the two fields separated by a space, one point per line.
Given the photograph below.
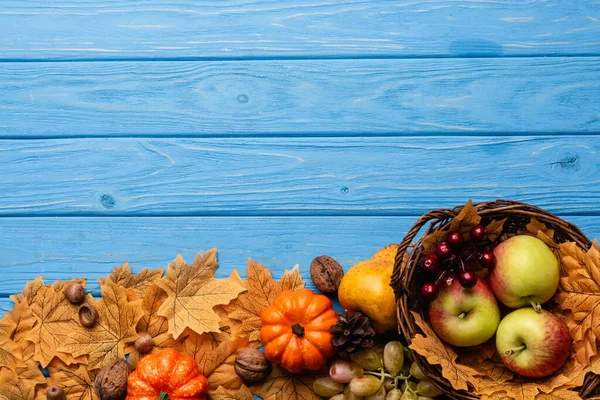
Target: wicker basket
x=406 y=288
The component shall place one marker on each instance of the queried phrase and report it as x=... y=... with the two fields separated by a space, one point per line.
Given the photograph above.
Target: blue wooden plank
x=154 y=29
x=295 y=176
x=332 y=97
x=64 y=248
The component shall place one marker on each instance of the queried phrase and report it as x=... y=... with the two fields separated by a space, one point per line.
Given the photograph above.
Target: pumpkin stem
x=298 y=330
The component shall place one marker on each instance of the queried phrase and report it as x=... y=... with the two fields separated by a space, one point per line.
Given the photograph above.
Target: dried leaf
x=32 y=372
x=30 y=291
x=579 y=292
x=466 y=219
x=534 y=226
x=21 y=323
x=437 y=352
x=495 y=228
x=262 y=289
x=218 y=365
x=116 y=327
x=476 y=354
x=11 y=354
x=559 y=395
x=59 y=286
x=493 y=369
x=152 y=323
x=281 y=385
x=74 y=380
x=12 y=387
x=223 y=394
x=193 y=292
x=509 y=390
x=55 y=317
x=139 y=282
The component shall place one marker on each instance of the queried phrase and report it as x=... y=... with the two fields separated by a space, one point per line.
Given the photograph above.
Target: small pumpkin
x=295 y=330
x=167 y=372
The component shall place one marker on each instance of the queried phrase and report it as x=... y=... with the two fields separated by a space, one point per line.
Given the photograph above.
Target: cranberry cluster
x=454 y=258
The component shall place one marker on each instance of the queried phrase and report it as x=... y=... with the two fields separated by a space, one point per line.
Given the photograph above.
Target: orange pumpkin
x=167 y=372
x=295 y=330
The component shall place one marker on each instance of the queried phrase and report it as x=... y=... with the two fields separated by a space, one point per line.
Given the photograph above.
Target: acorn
x=55 y=393
x=75 y=293
x=88 y=315
x=144 y=344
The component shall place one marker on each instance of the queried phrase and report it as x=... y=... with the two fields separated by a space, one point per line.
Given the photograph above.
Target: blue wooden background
x=281 y=130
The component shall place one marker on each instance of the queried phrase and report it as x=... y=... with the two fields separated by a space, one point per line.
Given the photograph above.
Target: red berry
x=430 y=262
x=478 y=232
x=454 y=238
x=467 y=279
x=443 y=250
x=487 y=258
x=429 y=291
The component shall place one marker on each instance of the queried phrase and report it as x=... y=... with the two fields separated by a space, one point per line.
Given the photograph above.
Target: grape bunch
x=454 y=258
x=381 y=373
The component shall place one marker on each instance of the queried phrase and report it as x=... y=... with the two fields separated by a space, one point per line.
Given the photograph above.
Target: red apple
x=533 y=344
x=526 y=272
x=464 y=316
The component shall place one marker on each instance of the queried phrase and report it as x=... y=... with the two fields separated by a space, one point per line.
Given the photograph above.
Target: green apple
x=533 y=343
x=526 y=272
x=464 y=316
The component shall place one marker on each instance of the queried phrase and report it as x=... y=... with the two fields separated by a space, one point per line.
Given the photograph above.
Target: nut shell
x=111 y=380
x=252 y=366
x=75 y=293
x=88 y=315
x=326 y=274
x=55 y=393
x=144 y=344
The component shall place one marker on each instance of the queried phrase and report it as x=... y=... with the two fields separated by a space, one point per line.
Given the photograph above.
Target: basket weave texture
x=406 y=287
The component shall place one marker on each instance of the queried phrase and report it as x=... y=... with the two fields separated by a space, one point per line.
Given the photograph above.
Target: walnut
x=111 y=380
x=326 y=274
x=252 y=366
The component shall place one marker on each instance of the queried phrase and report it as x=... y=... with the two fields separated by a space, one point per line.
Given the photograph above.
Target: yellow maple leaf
x=281 y=385
x=12 y=387
x=116 y=325
x=29 y=292
x=223 y=394
x=262 y=289
x=559 y=395
x=192 y=293
x=152 y=323
x=579 y=292
x=74 y=379
x=54 y=317
x=437 y=352
x=534 y=226
x=139 y=282
x=21 y=323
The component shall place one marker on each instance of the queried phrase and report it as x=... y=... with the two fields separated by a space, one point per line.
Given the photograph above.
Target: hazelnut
x=111 y=380
x=144 y=344
x=326 y=274
x=75 y=293
x=88 y=315
x=55 y=393
x=252 y=365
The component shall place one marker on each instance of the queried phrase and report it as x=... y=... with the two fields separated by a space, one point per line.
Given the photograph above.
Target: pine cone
x=351 y=333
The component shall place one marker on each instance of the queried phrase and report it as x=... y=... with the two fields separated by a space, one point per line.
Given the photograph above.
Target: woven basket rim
x=403 y=274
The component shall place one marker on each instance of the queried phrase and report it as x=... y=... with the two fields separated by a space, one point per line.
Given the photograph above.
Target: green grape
x=378 y=395
x=368 y=359
x=388 y=384
x=427 y=388
x=364 y=385
x=409 y=385
x=393 y=357
x=421 y=398
x=337 y=397
x=406 y=367
x=326 y=387
x=415 y=371
x=343 y=371
x=409 y=396
x=394 y=394
x=348 y=395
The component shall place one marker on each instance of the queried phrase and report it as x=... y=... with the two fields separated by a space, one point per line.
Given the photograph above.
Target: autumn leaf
x=262 y=289
x=12 y=387
x=579 y=292
x=54 y=317
x=30 y=291
x=466 y=219
x=558 y=395
x=223 y=394
x=495 y=228
x=21 y=322
x=510 y=390
x=152 y=323
x=139 y=282
x=11 y=354
x=281 y=385
x=193 y=292
x=437 y=352
x=74 y=379
x=115 y=328
x=476 y=354
x=534 y=226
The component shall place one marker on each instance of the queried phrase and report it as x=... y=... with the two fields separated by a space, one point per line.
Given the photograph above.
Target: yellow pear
x=366 y=288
